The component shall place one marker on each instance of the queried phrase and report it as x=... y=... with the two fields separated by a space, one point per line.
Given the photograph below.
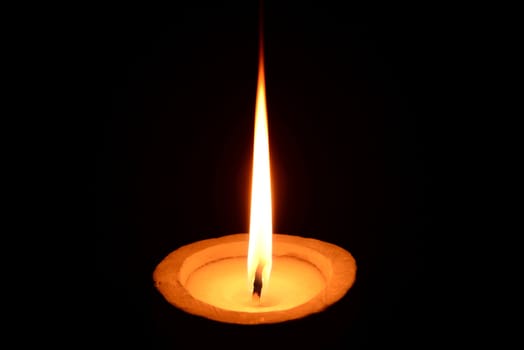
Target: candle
x=258 y=277
x=207 y=278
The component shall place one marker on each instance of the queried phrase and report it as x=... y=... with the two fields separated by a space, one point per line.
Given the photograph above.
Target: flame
x=260 y=226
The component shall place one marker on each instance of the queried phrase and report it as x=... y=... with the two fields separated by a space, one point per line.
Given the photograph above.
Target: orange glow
x=260 y=226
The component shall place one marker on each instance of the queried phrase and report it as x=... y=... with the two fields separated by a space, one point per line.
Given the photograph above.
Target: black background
x=352 y=108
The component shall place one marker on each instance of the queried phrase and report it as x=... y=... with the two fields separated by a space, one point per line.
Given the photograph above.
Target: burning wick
x=257 y=284
x=260 y=226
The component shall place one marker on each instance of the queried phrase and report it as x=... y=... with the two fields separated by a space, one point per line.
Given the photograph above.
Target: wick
x=257 y=284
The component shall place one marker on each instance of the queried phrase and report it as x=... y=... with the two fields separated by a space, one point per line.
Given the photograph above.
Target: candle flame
x=260 y=226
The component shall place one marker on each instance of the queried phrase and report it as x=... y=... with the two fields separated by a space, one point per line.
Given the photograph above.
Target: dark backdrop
x=351 y=107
